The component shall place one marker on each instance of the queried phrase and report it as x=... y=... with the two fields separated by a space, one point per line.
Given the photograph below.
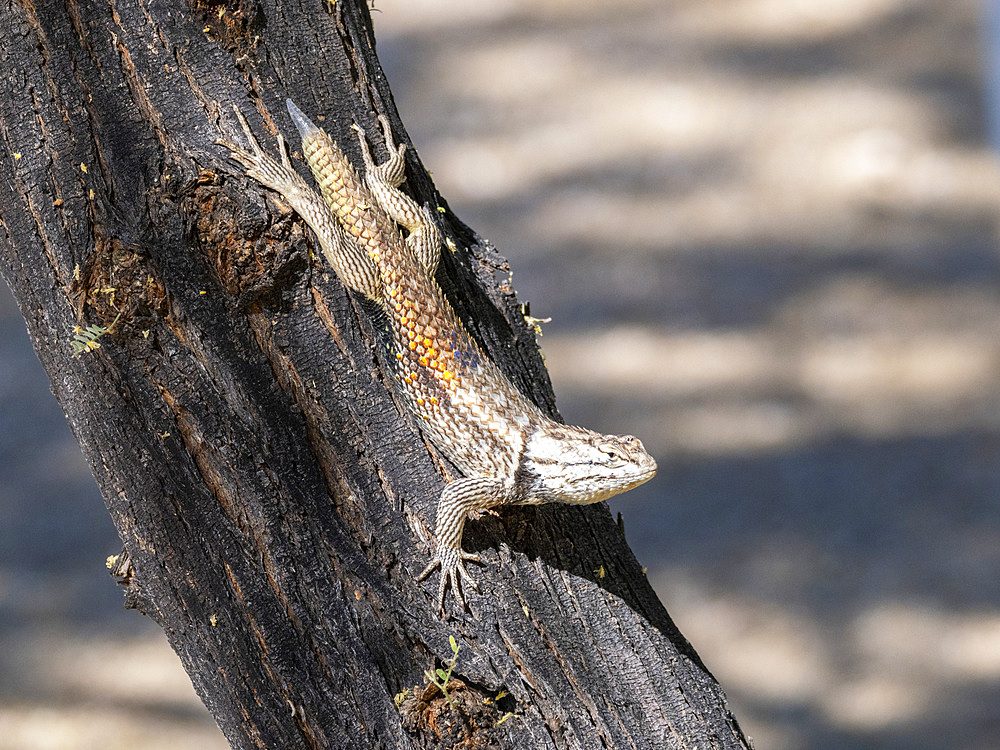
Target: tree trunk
x=274 y=500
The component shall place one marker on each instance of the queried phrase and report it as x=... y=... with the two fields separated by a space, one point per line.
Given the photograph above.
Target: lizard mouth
x=647 y=472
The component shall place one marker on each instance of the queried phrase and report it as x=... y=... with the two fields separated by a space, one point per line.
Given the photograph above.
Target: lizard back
x=462 y=399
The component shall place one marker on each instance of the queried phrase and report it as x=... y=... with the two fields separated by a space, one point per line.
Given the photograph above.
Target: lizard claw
x=452 y=564
x=276 y=175
x=254 y=159
x=255 y=148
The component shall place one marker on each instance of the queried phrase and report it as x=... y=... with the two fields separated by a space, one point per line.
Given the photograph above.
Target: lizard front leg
x=457 y=499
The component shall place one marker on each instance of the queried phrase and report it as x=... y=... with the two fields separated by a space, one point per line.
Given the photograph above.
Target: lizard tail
x=303 y=124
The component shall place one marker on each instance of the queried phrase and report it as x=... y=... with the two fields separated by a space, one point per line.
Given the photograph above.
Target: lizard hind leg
x=353 y=267
x=383 y=181
x=277 y=176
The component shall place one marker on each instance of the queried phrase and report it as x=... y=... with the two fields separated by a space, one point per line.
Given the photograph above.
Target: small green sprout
x=439 y=677
x=85 y=339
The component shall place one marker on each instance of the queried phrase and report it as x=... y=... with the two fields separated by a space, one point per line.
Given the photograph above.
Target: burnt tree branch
x=274 y=500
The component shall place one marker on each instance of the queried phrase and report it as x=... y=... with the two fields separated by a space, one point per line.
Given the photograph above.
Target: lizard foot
x=452 y=564
x=260 y=166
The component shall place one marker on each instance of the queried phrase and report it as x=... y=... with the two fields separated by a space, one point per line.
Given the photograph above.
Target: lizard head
x=578 y=466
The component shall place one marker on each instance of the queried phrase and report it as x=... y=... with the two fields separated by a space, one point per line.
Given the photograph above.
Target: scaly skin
x=508 y=451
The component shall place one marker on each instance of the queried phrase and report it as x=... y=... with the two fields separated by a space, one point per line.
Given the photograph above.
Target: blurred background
x=765 y=231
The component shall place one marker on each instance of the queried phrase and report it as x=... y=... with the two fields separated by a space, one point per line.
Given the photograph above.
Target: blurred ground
x=765 y=231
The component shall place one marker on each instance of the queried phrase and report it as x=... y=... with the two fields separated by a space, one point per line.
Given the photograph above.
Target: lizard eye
x=613 y=452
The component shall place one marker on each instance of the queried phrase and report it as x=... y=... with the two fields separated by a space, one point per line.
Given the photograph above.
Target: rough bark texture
x=274 y=501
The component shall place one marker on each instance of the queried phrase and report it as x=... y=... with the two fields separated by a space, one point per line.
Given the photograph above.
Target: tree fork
x=274 y=500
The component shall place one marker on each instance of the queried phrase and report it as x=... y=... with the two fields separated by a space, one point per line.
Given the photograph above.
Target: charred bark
x=274 y=500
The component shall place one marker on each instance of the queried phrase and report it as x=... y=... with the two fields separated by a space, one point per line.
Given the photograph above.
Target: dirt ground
x=765 y=231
